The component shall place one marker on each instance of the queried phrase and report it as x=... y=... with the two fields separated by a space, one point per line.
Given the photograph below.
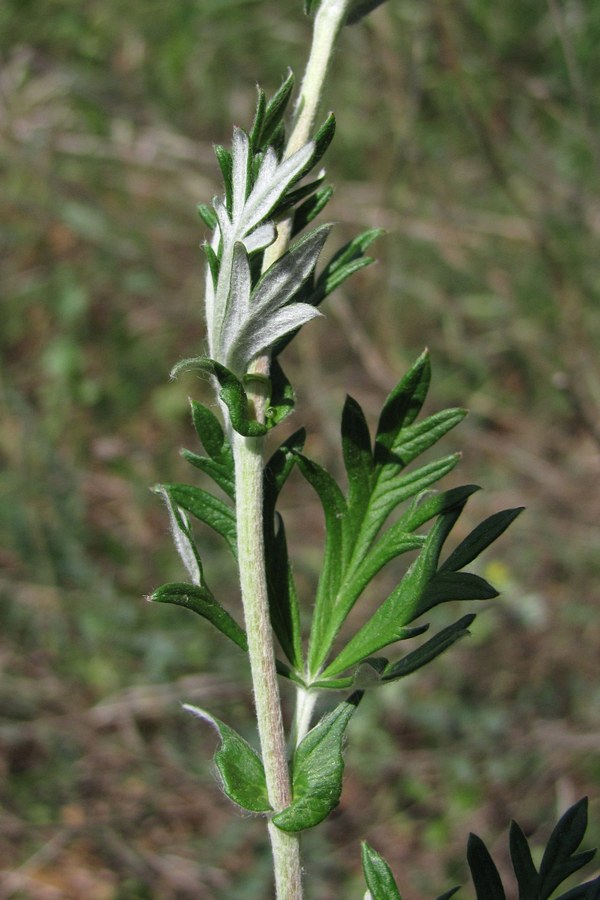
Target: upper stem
x=328 y=22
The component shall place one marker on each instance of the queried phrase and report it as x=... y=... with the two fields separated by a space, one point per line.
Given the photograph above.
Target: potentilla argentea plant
x=261 y=287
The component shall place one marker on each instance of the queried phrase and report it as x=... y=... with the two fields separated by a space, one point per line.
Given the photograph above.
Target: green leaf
x=224 y=158
x=388 y=623
x=559 y=860
x=283 y=602
x=207 y=214
x=358 y=461
x=219 y=463
x=311 y=6
x=311 y=208
x=240 y=768
x=343 y=264
x=334 y=508
x=392 y=544
x=480 y=538
x=293 y=197
x=210 y=434
x=389 y=493
x=428 y=651
x=213 y=262
x=322 y=139
x=525 y=871
x=231 y=392
x=201 y=601
x=275 y=111
x=366 y=641
x=588 y=891
x=206 y=508
x=361 y=8
x=402 y=406
x=413 y=440
x=282 y=399
x=317 y=771
x=486 y=879
x=426 y=506
x=259 y=120
x=378 y=875
x=445 y=587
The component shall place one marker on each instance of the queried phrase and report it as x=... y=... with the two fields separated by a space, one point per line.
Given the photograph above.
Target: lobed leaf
x=488 y=885
x=402 y=406
x=560 y=860
x=522 y=862
x=480 y=538
x=429 y=650
x=317 y=770
x=366 y=641
x=240 y=767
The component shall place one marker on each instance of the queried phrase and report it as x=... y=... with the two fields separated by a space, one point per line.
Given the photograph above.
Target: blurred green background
x=470 y=131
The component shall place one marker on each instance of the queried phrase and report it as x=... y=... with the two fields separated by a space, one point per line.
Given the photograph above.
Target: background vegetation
x=470 y=131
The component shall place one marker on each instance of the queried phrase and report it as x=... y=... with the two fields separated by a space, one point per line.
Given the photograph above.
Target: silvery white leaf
x=266 y=171
x=239 y=175
x=238 y=300
x=182 y=538
x=260 y=238
x=260 y=334
x=285 y=277
x=264 y=196
x=223 y=219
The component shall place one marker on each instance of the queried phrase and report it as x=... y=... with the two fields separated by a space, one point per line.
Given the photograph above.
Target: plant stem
x=248 y=457
x=328 y=22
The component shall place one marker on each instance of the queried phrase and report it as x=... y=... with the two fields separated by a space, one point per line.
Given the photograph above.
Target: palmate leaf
x=356 y=548
x=559 y=862
x=317 y=770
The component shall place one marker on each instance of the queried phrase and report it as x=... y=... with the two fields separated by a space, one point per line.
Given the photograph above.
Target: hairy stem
x=328 y=22
x=248 y=454
x=249 y=505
